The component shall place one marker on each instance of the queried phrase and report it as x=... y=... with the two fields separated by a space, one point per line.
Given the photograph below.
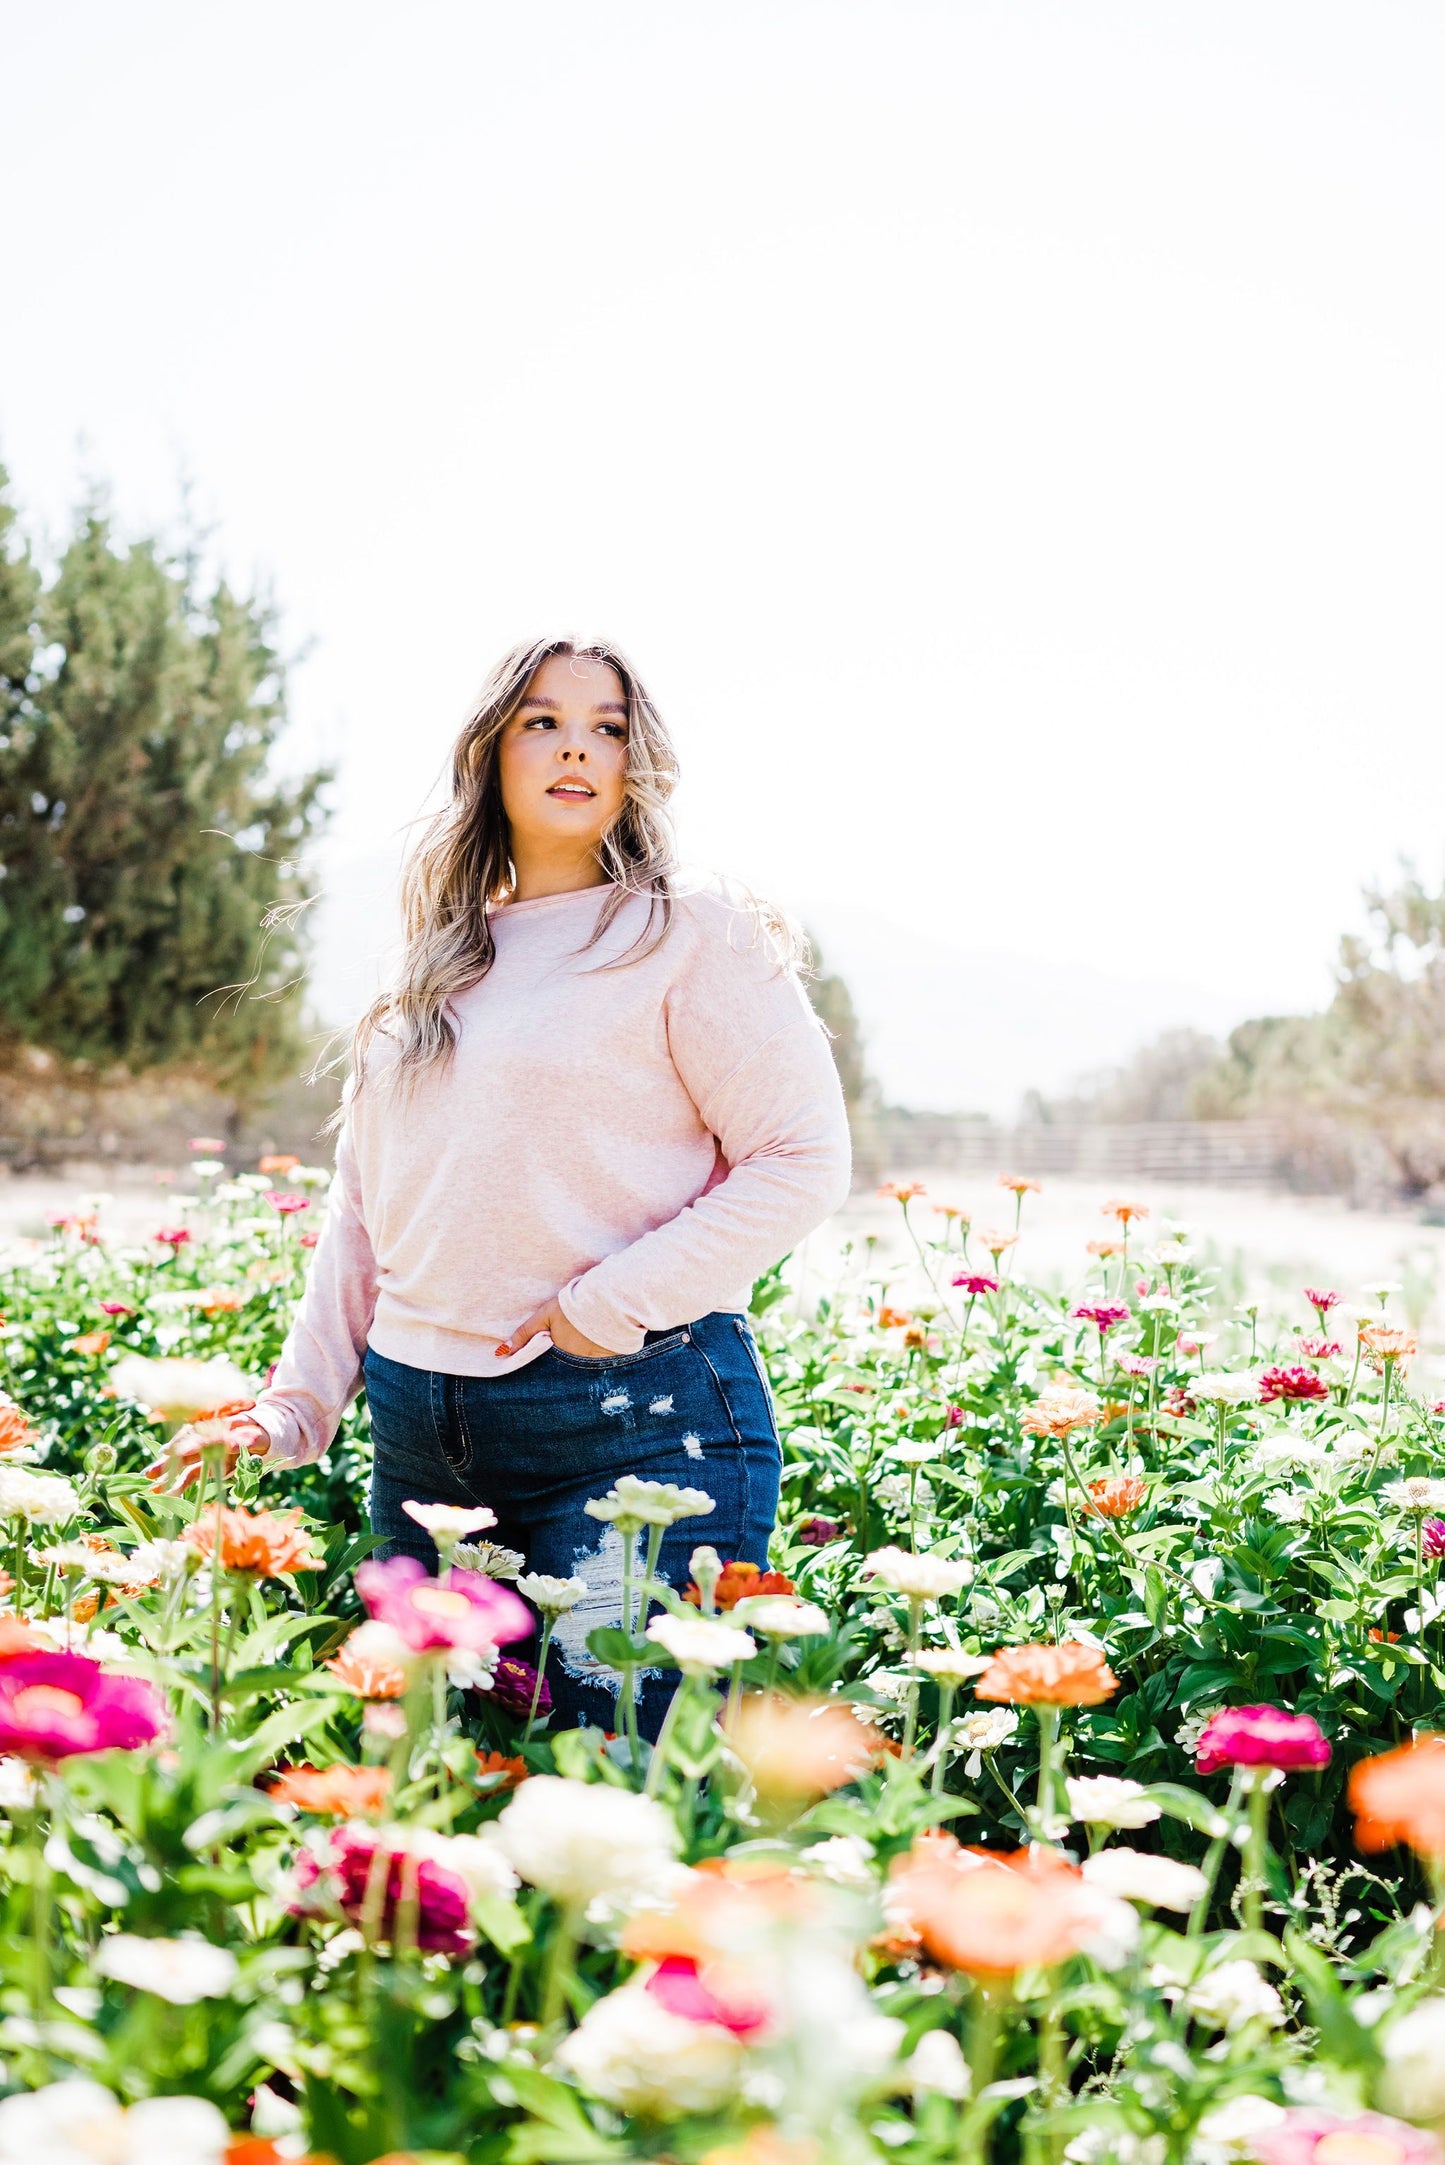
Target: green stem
x=1254 y=1854
x=1214 y=1857
x=945 y=1716
x=1048 y=1721
x=547 y=1624
x=910 y=1725
x=1384 y=1421
x=559 y=1966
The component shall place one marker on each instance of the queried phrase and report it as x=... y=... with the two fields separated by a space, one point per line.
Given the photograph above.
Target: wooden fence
x=1202 y=1153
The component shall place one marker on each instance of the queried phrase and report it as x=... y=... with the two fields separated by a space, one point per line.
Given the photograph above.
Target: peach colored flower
x=364 y=1671
x=795 y=1748
x=1125 y=1212
x=1070 y=1674
x=902 y=1192
x=263 y=1542
x=92 y=1343
x=892 y=1319
x=996 y=1242
x=1385 y=1343
x=279 y=1163
x=1104 y=1247
x=1059 y=1410
x=1017 y=1184
x=337 y=1792
x=990 y=1913
x=1399 y=1796
x=220 y=1300
x=1118 y=1495
x=765 y=2146
x=15 y=1428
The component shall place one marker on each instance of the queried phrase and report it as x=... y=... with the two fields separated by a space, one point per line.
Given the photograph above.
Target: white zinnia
x=1413 y=2083
x=937 y=2063
x=1221 y=1388
x=979 y=1733
x=1233 y=1994
x=632 y=1502
x=781 y=1616
x=635 y=2055
x=700 y=1645
x=1235 y=2125
x=42 y=1499
x=79 y=2123
x=1418 y=1493
x=1104 y=1800
x=179 y=1970
x=579 y=1840
x=1135 y=1877
x=180 y=1390
x=950 y=1665
x=920 y=1578
x=845 y=1859
x=554 y=1597
x=449 y=1522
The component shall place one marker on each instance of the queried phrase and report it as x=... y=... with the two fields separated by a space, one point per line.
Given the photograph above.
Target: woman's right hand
x=172 y=1473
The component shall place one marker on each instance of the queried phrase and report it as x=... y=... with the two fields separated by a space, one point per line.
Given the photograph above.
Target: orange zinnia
x=15 y=1428
x=891 y=1319
x=365 y=1675
x=1124 y=1212
x=796 y=1748
x=1067 y=1675
x=92 y=1342
x=512 y=1772
x=264 y=1542
x=1399 y=1796
x=340 y=1791
x=220 y=1300
x=902 y=1192
x=282 y=1162
x=1117 y=1496
x=990 y=1913
x=738 y=1583
x=1386 y=1343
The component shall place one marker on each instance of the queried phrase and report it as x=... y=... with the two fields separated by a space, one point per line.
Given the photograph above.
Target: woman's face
x=562 y=758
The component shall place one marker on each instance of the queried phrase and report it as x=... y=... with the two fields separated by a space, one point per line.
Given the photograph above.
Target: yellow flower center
x=1347 y=2149
x=436 y=1601
x=39 y=1700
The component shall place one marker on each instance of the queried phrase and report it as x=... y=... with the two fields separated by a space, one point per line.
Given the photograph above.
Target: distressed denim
x=692 y=1406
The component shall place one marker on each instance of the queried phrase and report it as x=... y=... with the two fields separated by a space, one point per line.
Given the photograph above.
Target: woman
x=591 y=1110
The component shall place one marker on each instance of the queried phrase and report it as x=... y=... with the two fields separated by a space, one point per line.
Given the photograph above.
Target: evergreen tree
x=145 y=843
x=832 y=1001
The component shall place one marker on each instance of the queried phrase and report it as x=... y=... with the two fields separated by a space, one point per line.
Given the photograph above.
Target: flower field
x=1068 y=1788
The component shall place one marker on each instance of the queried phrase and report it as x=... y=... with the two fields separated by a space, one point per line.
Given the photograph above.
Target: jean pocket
x=666 y=1344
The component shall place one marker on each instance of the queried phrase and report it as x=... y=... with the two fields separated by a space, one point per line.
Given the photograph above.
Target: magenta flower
x=1260 y=1736
x=340 y=1875
x=817 y=1533
x=975 y=1282
x=1322 y=1302
x=465 y=1608
x=1105 y=1314
x=1374 y=2136
x=1432 y=1538
x=678 y=1985
x=57 y=1706
x=513 y=1684
x=173 y=1236
x=1291 y=1383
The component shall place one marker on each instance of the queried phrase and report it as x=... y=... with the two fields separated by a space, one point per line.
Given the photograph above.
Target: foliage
x=146 y=839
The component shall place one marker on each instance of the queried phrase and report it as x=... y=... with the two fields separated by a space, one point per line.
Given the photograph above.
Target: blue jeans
x=692 y=1406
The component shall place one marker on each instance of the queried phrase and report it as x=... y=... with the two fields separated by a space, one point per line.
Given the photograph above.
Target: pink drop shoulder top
x=639 y=1143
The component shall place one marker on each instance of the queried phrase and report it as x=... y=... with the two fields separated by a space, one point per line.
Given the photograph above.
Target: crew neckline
x=542 y=902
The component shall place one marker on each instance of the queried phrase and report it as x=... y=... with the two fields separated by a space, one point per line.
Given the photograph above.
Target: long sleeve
x=319 y=1372
x=757 y=1064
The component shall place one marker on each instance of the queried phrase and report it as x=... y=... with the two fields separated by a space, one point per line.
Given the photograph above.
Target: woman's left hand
x=563 y=1334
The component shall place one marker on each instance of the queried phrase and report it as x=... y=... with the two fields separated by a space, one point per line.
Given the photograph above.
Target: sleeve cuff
x=287 y=1442
x=595 y=1320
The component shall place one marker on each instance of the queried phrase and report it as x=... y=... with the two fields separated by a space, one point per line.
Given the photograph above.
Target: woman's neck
x=534 y=882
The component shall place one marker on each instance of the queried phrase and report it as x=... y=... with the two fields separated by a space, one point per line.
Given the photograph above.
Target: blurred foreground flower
x=340 y=1791
x=1330 y=2138
x=579 y=1841
x=79 y=2123
x=179 y=1970
x=398 y=1880
x=468 y=1610
x=371 y=1663
x=991 y=1914
x=1399 y=1796
x=58 y=1706
x=1070 y=1674
x=795 y=1748
x=637 y=2055
x=181 y=1390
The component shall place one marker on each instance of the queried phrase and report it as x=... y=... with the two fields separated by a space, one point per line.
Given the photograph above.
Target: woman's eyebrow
x=604 y=706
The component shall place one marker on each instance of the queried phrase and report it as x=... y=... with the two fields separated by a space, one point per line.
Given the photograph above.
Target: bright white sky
x=1008 y=436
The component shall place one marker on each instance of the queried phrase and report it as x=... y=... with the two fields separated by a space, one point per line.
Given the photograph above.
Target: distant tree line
x=149 y=852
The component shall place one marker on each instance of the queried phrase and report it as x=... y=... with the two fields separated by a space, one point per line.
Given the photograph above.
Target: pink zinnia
x=1322 y=1302
x=173 y=1236
x=465 y=1609
x=1105 y=1314
x=679 y=1985
x=975 y=1282
x=342 y=1875
x=1291 y=1383
x=1367 y=2136
x=115 y=1308
x=1432 y=1538
x=58 y=1706
x=287 y=1202
x=1260 y=1736
x=1320 y=1349
x=1140 y=1364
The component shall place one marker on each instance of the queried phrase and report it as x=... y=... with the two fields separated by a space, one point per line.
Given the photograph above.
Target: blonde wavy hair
x=462 y=861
